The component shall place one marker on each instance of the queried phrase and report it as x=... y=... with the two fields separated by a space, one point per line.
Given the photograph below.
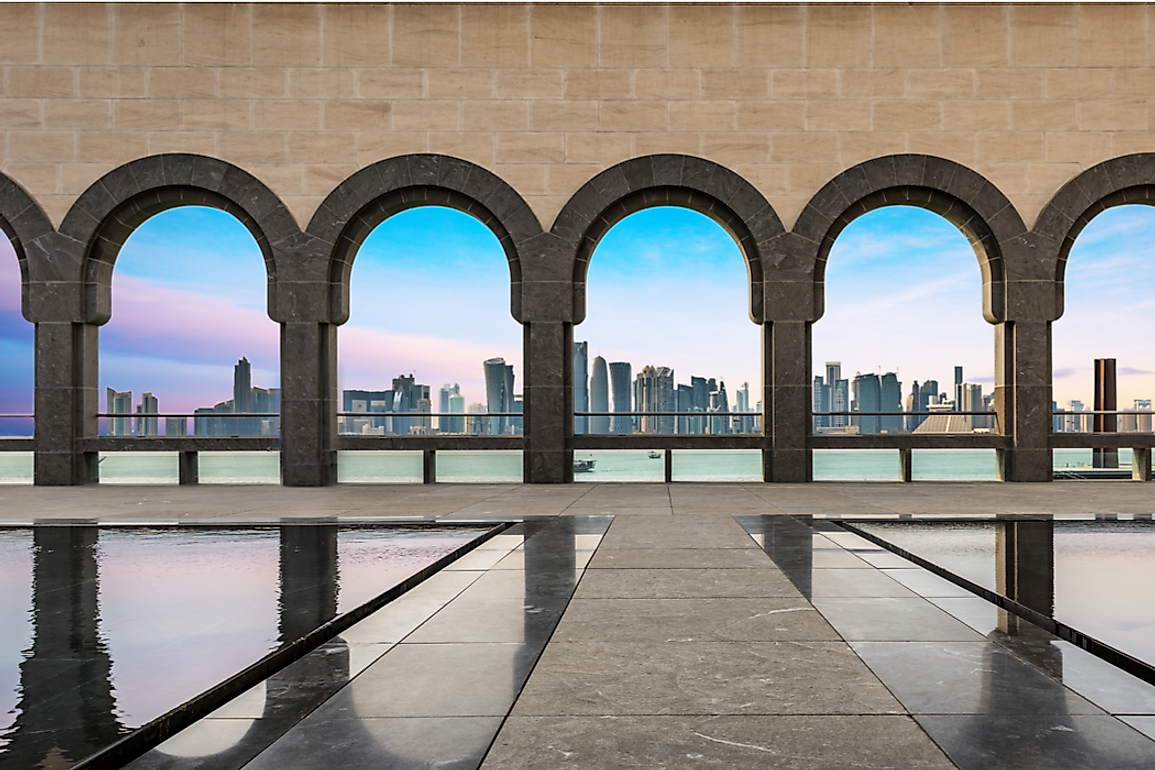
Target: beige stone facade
x=546 y=96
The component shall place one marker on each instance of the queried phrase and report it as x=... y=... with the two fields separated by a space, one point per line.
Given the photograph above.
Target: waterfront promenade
x=710 y=625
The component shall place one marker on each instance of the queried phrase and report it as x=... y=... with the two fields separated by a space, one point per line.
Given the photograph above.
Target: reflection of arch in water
x=67 y=708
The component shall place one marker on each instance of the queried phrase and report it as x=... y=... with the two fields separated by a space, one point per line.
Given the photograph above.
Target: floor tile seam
x=544 y=646
x=755 y=714
x=399 y=643
x=984 y=642
x=392 y=646
x=1007 y=648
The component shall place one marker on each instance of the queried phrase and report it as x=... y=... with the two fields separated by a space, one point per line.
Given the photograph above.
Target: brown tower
x=1105 y=401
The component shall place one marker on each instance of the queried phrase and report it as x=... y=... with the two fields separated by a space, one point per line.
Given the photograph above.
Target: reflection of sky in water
x=1103 y=572
x=15 y=608
x=179 y=611
x=1103 y=578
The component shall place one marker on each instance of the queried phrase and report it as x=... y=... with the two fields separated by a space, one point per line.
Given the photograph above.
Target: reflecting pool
x=1102 y=571
x=103 y=629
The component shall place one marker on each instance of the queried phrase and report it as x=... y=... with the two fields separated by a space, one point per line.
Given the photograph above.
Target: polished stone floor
x=685 y=625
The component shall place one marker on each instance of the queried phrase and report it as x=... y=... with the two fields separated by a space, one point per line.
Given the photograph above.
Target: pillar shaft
x=547 y=399
x=786 y=401
x=67 y=402
x=1024 y=398
x=308 y=404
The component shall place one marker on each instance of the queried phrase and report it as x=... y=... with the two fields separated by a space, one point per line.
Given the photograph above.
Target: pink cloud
x=174 y=324
x=371 y=358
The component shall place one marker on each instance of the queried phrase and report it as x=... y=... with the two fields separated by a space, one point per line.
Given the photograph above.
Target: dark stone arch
x=28 y=229
x=369 y=197
x=107 y=213
x=1129 y=179
x=963 y=197
x=669 y=180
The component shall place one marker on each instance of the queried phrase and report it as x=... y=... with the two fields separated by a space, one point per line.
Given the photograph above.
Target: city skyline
x=177 y=327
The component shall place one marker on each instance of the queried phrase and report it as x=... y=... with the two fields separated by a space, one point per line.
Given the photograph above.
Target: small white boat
x=584 y=466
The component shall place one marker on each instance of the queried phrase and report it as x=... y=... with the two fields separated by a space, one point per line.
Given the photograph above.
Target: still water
x=505 y=466
x=103 y=630
x=1103 y=572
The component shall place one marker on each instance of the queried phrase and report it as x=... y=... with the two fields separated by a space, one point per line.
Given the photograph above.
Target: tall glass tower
x=621 y=383
x=581 y=390
x=600 y=397
x=498 y=392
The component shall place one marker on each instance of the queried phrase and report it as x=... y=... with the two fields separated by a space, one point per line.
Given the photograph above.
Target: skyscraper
x=118 y=403
x=867 y=392
x=654 y=392
x=913 y=402
x=147 y=426
x=958 y=390
x=720 y=405
x=890 y=400
x=620 y=386
x=600 y=397
x=839 y=394
x=820 y=402
x=581 y=383
x=498 y=392
x=243 y=386
x=456 y=406
x=447 y=424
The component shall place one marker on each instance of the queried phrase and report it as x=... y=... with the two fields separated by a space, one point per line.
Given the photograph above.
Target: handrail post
x=429 y=466
x=905 y=465
x=1141 y=463
x=188 y=467
x=669 y=465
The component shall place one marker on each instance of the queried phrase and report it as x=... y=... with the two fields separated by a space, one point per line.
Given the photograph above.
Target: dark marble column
x=1023 y=399
x=67 y=401
x=308 y=403
x=786 y=401
x=548 y=401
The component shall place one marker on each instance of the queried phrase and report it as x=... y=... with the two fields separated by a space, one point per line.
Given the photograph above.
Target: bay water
x=504 y=466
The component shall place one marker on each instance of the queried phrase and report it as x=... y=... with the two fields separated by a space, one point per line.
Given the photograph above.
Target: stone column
x=547 y=399
x=67 y=402
x=786 y=401
x=1023 y=398
x=308 y=404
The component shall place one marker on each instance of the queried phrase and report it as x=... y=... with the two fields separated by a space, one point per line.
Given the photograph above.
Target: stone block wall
x=549 y=123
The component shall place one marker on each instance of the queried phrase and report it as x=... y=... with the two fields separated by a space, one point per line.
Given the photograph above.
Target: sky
x=431 y=296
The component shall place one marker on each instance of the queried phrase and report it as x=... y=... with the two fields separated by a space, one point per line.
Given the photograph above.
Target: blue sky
x=666 y=287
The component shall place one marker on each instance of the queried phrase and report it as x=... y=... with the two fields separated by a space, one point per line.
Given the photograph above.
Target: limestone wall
x=545 y=96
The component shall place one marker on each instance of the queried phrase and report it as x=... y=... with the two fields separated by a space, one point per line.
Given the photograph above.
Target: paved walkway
x=707 y=630
x=108 y=502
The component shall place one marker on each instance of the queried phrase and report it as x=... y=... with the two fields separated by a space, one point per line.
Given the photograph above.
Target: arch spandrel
x=32 y=236
x=668 y=180
x=1128 y=179
x=373 y=194
x=109 y=211
x=960 y=195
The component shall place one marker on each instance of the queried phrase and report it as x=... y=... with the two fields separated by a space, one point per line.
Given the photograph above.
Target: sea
x=504 y=466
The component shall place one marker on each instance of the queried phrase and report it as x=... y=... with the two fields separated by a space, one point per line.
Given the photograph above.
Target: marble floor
x=652 y=625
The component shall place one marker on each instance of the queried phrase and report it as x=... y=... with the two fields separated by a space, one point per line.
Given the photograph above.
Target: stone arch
x=961 y=196
x=29 y=230
x=1128 y=179
x=668 y=180
x=107 y=213
x=369 y=197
